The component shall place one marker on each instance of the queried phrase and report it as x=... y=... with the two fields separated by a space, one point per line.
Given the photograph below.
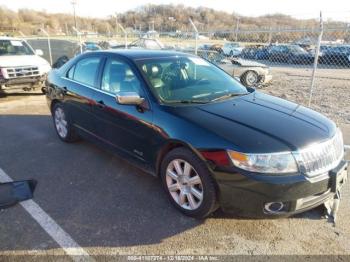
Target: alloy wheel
x=184 y=184
x=61 y=122
x=251 y=78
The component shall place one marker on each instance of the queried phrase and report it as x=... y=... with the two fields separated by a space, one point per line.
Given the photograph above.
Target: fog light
x=274 y=207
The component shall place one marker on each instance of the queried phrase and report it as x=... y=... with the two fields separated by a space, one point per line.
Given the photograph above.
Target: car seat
x=116 y=76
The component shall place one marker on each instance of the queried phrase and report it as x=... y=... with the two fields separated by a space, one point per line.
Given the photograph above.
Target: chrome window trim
x=97 y=89
x=88 y=86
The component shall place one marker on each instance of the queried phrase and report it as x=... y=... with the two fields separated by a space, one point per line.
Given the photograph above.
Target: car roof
x=140 y=54
x=10 y=38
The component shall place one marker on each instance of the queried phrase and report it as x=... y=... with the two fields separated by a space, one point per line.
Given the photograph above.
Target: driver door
x=124 y=127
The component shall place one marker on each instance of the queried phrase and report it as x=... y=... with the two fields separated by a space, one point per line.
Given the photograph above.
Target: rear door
x=79 y=81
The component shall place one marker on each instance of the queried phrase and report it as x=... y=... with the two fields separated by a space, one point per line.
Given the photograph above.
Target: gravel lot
x=109 y=207
x=331 y=94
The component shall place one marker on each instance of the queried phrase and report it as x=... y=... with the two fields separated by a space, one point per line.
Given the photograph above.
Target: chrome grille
x=27 y=71
x=320 y=158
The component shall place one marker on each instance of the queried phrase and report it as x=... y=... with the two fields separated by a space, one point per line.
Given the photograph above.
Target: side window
x=86 y=70
x=118 y=77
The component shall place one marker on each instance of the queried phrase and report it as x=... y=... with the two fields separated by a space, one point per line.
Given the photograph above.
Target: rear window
x=86 y=70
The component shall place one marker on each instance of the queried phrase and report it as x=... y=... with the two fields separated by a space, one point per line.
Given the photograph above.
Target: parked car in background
x=336 y=55
x=263 y=53
x=232 y=49
x=211 y=141
x=20 y=66
x=256 y=52
x=291 y=54
x=250 y=73
x=87 y=47
x=213 y=56
x=249 y=52
x=143 y=43
x=205 y=47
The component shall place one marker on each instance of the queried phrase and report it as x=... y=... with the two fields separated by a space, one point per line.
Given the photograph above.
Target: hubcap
x=251 y=78
x=184 y=184
x=61 y=122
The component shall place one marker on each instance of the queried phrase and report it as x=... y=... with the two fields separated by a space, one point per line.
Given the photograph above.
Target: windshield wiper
x=187 y=101
x=227 y=96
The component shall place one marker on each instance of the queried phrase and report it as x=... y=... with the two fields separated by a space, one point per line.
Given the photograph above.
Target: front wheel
x=250 y=79
x=188 y=183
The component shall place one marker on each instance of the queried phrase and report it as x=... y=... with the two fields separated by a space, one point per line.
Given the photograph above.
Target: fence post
x=270 y=36
x=48 y=43
x=237 y=27
x=125 y=35
x=196 y=36
x=79 y=35
x=317 y=53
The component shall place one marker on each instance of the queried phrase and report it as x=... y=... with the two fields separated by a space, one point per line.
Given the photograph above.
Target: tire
x=63 y=124
x=250 y=78
x=198 y=189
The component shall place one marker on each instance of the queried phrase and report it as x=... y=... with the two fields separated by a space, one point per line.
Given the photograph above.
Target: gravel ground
x=331 y=94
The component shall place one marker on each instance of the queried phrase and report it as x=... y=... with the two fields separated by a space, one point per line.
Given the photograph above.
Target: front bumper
x=265 y=79
x=247 y=194
x=21 y=82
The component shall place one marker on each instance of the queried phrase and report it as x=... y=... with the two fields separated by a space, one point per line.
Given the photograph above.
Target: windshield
x=14 y=47
x=188 y=80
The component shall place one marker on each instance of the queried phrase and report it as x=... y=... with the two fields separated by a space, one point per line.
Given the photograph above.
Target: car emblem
x=23 y=71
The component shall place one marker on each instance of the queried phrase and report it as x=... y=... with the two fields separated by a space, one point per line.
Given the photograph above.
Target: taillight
x=220 y=158
x=1 y=74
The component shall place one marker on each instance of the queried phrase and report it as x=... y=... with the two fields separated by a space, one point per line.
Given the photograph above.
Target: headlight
x=265 y=163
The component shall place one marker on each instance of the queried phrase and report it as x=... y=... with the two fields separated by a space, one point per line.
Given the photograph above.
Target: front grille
x=26 y=71
x=320 y=158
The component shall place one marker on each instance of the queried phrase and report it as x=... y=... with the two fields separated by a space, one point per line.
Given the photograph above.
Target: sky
x=336 y=9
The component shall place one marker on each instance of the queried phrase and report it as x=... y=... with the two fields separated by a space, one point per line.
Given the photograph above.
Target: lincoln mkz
x=211 y=141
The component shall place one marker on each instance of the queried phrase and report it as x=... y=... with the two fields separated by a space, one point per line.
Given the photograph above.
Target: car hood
x=248 y=63
x=22 y=60
x=258 y=123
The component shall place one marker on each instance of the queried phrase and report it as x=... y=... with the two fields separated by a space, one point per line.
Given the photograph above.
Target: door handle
x=101 y=104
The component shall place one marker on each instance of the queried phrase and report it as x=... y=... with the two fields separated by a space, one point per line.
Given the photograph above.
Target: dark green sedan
x=213 y=142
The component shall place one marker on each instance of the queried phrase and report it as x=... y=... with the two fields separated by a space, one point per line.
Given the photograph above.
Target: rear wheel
x=188 y=183
x=63 y=125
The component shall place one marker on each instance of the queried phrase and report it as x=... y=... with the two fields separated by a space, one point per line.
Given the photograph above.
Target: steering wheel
x=171 y=73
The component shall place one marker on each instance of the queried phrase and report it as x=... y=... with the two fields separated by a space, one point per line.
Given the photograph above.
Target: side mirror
x=129 y=98
x=39 y=52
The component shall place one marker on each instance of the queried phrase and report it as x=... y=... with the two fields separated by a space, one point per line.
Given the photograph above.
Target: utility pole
x=196 y=36
x=74 y=3
x=237 y=27
x=48 y=43
x=172 y=19
x=116 y=24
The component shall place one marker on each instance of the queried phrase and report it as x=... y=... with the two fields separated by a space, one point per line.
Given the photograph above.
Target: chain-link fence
x=308 y=66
